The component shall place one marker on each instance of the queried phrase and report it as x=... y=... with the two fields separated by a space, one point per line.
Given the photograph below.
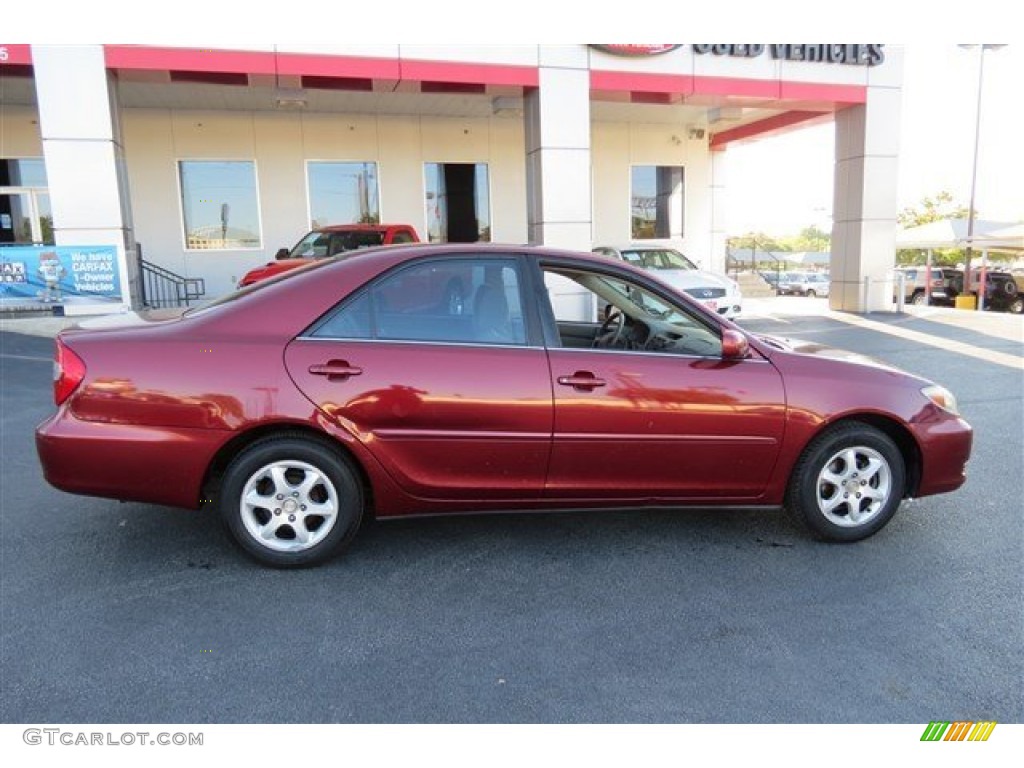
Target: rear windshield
x=258 y=285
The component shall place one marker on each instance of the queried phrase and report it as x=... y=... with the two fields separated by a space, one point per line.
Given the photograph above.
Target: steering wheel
x=613 y=317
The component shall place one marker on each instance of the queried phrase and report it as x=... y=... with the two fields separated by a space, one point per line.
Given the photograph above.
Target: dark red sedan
x=300 y=406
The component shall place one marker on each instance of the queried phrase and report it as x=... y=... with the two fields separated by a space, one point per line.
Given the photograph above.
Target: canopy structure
x=948 y=233
x=1006 y=239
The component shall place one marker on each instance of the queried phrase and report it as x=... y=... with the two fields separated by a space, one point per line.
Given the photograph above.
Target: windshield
x=317 y=245
x=658 y=258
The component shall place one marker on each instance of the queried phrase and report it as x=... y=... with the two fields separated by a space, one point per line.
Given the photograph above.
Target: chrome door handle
x=581 y=381
x=335 y=370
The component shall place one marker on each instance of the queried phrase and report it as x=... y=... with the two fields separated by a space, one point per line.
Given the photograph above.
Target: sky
x=782 y=184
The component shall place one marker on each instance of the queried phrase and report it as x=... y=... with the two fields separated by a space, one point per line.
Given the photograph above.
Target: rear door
x=453 y=400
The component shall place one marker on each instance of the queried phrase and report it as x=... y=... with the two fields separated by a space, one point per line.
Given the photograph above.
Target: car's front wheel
x=290 y=501
x=811 y=294
x=848 y=483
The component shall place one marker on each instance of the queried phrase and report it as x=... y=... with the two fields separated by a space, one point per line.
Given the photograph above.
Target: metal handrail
x=163 y=288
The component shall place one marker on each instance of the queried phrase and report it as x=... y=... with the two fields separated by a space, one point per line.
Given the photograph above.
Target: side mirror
x=282 y=254
x=734 y=345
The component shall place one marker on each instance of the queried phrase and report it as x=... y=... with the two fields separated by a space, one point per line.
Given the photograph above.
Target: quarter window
x=220 y=204
x=657 y=201
x=447 y=300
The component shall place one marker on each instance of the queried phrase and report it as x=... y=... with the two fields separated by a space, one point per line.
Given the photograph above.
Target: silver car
x=717 y=292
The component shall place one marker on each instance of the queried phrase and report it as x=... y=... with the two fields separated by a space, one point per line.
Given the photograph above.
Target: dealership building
x=207 y=161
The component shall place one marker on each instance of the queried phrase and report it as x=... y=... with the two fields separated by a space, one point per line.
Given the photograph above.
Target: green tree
x=937 y=208
x=941 y=206
x=810 y=238
x=758 y=240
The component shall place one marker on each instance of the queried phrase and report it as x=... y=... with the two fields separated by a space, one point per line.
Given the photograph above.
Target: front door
x=646 y=409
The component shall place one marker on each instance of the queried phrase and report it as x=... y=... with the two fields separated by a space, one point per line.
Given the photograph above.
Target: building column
x=558 y=173
x=865 y=203
x=79 y=122
x=719 y=212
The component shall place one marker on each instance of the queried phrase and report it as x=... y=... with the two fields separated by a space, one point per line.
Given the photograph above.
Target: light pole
x=974 y=166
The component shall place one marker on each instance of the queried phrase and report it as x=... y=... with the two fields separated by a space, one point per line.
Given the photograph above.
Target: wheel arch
x=895 y=431
x=227 y=452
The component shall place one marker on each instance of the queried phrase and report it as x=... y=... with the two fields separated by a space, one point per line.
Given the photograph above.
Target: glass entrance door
x=25 y=217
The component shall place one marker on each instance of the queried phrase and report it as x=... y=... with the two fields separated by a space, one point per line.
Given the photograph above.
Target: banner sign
x=866 y=54
x=45 y=275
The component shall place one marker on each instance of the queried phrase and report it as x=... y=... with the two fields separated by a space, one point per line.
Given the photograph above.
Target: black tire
x=1016 y=306
x=811 y=294
x=919 y=299
x=881 y=489
x=278 y=470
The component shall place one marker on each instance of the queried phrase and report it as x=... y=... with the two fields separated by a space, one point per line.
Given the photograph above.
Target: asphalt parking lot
x=139 y=614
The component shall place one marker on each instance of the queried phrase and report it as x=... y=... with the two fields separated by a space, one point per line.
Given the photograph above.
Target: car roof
x=360 y=227
x=639 y=247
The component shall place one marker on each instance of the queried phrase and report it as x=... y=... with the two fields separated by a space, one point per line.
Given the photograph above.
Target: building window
x=25 y=215
x=458 y=203
x=657 y=201
x=343 y=193
x=220 y=204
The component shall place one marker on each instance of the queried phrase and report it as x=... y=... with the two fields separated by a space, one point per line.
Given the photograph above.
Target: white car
x=805 y=284
x=717 y=292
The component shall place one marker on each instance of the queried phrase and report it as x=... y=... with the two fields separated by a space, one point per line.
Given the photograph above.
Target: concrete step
x=753 y=285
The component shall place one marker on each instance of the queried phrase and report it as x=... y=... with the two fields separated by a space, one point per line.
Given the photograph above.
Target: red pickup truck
x=329 y=241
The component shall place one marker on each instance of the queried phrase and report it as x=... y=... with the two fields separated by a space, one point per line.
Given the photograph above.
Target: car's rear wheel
x=811 y=294
x=1016 y=306
x=848 y=482
x=290 y=501
x=920 y=299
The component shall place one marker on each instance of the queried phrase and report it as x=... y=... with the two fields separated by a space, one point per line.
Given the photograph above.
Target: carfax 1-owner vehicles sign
x=47 y=274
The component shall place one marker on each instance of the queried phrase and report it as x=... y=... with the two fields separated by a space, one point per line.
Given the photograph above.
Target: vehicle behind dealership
x=331 y=241
x=718 y=293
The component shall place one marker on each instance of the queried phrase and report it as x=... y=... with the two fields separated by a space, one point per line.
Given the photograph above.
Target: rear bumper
x=157 y=465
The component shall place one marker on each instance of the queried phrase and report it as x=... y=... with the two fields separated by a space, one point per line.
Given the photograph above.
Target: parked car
x=717 y=292
x=943 y=287
x=330 y=241
x=1001 y=289
x=300 y=407
x=810 y=284
x=772 y=278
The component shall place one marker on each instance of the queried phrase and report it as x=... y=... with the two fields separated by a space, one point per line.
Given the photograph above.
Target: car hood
x=688 y=279
x=814 y=349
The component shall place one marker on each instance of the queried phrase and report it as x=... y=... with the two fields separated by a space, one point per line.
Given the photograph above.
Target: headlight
x=942 y=397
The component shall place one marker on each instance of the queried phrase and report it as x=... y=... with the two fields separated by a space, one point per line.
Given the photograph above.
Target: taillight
x=68 y=372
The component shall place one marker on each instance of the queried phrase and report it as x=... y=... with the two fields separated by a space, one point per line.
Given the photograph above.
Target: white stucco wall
x=280 y=144
x=616 y=147
x=19 y=132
